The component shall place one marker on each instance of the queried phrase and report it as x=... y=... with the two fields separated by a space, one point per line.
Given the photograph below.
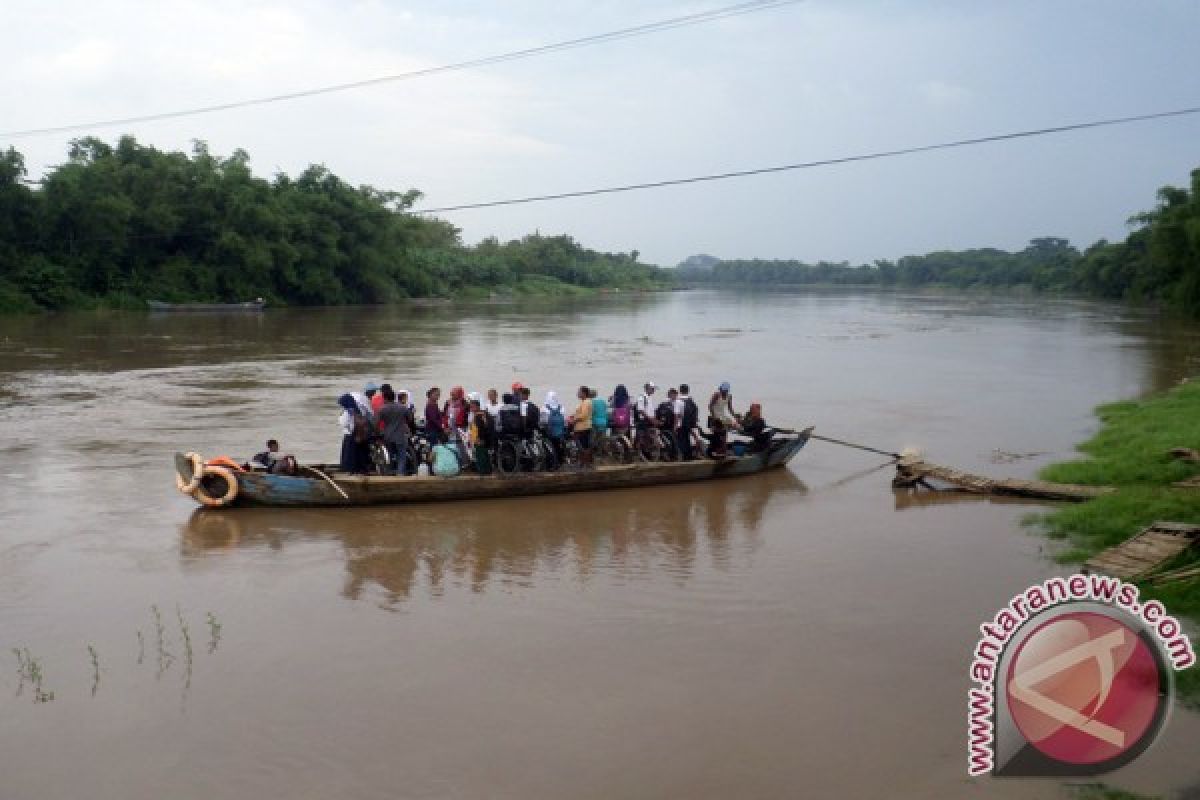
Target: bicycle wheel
x=380 y=460
x=508 y=457
x=531 y=456
x=621 y=449
x=571 y=453
x=549 y=457
x=668 y=449
x=608 y=451
x=625 y=446
x=648 y=446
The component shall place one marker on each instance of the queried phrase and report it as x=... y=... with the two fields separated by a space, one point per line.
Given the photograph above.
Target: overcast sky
x=814 y=80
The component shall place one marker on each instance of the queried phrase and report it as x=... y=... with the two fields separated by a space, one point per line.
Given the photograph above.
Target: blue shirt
x=599 y=413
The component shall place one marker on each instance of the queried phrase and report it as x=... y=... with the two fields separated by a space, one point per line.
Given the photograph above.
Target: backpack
x=556 y=423
x=533 y=416
x=511 y=423
x=691 y=414
x=665 y=414
x=362 y=429
x=620 y=417
x=445 y=461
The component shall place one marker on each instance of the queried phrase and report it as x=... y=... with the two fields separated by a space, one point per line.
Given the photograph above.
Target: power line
x=750 y=7
x=904 y=151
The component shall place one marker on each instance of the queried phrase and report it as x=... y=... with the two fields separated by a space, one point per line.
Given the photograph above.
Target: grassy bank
x=1131 y=452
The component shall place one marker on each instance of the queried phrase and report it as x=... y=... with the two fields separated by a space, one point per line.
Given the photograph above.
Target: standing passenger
x=493 y=403
x=434 y=421
x=529 y=412
x=375 y=396
x=599 y=415
x=583 y=426
x=355 y=432
x=619 y=411
x=721 y=419
x=556 y=423
x=689 y=419
x=481 y=433
x=393 y=417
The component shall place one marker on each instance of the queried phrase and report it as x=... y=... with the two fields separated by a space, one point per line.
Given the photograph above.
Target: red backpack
x=620 y=417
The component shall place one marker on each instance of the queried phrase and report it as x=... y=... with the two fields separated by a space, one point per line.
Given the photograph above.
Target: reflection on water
x=926 y=498
x=404 y=549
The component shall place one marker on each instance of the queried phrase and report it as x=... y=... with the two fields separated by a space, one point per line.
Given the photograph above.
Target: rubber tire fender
x=231 y=493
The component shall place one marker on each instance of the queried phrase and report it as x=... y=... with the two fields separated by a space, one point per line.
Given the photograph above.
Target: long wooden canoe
x=257 y=305
x=323 y=485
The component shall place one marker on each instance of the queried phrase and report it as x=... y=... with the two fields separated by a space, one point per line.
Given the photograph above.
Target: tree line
x=119 y=225
x=1159 y=262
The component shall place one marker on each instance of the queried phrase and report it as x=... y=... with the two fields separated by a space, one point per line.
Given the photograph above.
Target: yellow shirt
x=583 y=415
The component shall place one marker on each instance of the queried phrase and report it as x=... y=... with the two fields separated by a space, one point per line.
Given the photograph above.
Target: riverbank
x=1132 y=452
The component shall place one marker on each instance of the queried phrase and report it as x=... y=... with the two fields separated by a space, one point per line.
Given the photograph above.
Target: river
x=805 y=632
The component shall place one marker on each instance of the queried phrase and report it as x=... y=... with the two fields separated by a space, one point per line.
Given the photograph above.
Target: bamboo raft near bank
x=913 y=472
x=1145 y=554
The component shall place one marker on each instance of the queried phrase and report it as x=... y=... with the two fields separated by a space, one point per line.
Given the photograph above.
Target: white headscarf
x=552 y=401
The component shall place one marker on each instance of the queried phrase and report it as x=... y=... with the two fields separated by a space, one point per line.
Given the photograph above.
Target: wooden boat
x=324 y=485
x=256 y=305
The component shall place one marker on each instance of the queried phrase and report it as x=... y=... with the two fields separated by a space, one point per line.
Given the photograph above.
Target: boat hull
x=264 y=489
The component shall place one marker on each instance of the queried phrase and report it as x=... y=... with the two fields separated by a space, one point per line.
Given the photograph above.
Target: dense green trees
x=1044 y=264
x=118 y=225
x=1158 y=262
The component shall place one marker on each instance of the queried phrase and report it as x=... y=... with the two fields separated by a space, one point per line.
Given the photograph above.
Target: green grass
x=1131 y=452
x=1132 y=447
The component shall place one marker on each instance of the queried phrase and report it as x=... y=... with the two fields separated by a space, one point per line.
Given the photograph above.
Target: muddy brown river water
x=801 y=633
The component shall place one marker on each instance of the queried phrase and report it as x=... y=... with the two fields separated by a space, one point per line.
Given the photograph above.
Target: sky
x=807 y=81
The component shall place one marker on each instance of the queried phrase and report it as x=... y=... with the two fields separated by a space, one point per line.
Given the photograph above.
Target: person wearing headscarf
x=355 y=430
x=619 y=411
x=455 y=410
x=554 y=421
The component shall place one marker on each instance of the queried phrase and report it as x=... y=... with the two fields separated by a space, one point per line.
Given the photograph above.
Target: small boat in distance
x=325 y=485
x=254 y=306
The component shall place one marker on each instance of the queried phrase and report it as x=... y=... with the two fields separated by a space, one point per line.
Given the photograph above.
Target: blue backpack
x=556 y=423
x=445 y=461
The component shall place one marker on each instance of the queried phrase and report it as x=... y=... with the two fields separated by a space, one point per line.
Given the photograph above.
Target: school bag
x=445 y=461
x=665 y=414
x=556 y=423
x=620 y=417
x=511 y=421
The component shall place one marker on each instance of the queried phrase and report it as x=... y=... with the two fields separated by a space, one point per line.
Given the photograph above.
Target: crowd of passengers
x=462 y=432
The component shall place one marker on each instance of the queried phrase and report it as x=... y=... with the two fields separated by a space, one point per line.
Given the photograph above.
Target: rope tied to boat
x=843 y=443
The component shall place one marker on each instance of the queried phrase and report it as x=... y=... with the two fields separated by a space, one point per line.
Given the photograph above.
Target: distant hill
x=699 y=262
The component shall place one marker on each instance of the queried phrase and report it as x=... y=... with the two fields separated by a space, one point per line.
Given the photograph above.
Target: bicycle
x=379 y=461
x=668 y=446
x=647 y=445
x=517 y=453
x=612 y=447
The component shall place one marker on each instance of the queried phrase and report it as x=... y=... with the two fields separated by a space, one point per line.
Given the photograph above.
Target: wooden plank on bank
x=910 y=472
x=1146 y=552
